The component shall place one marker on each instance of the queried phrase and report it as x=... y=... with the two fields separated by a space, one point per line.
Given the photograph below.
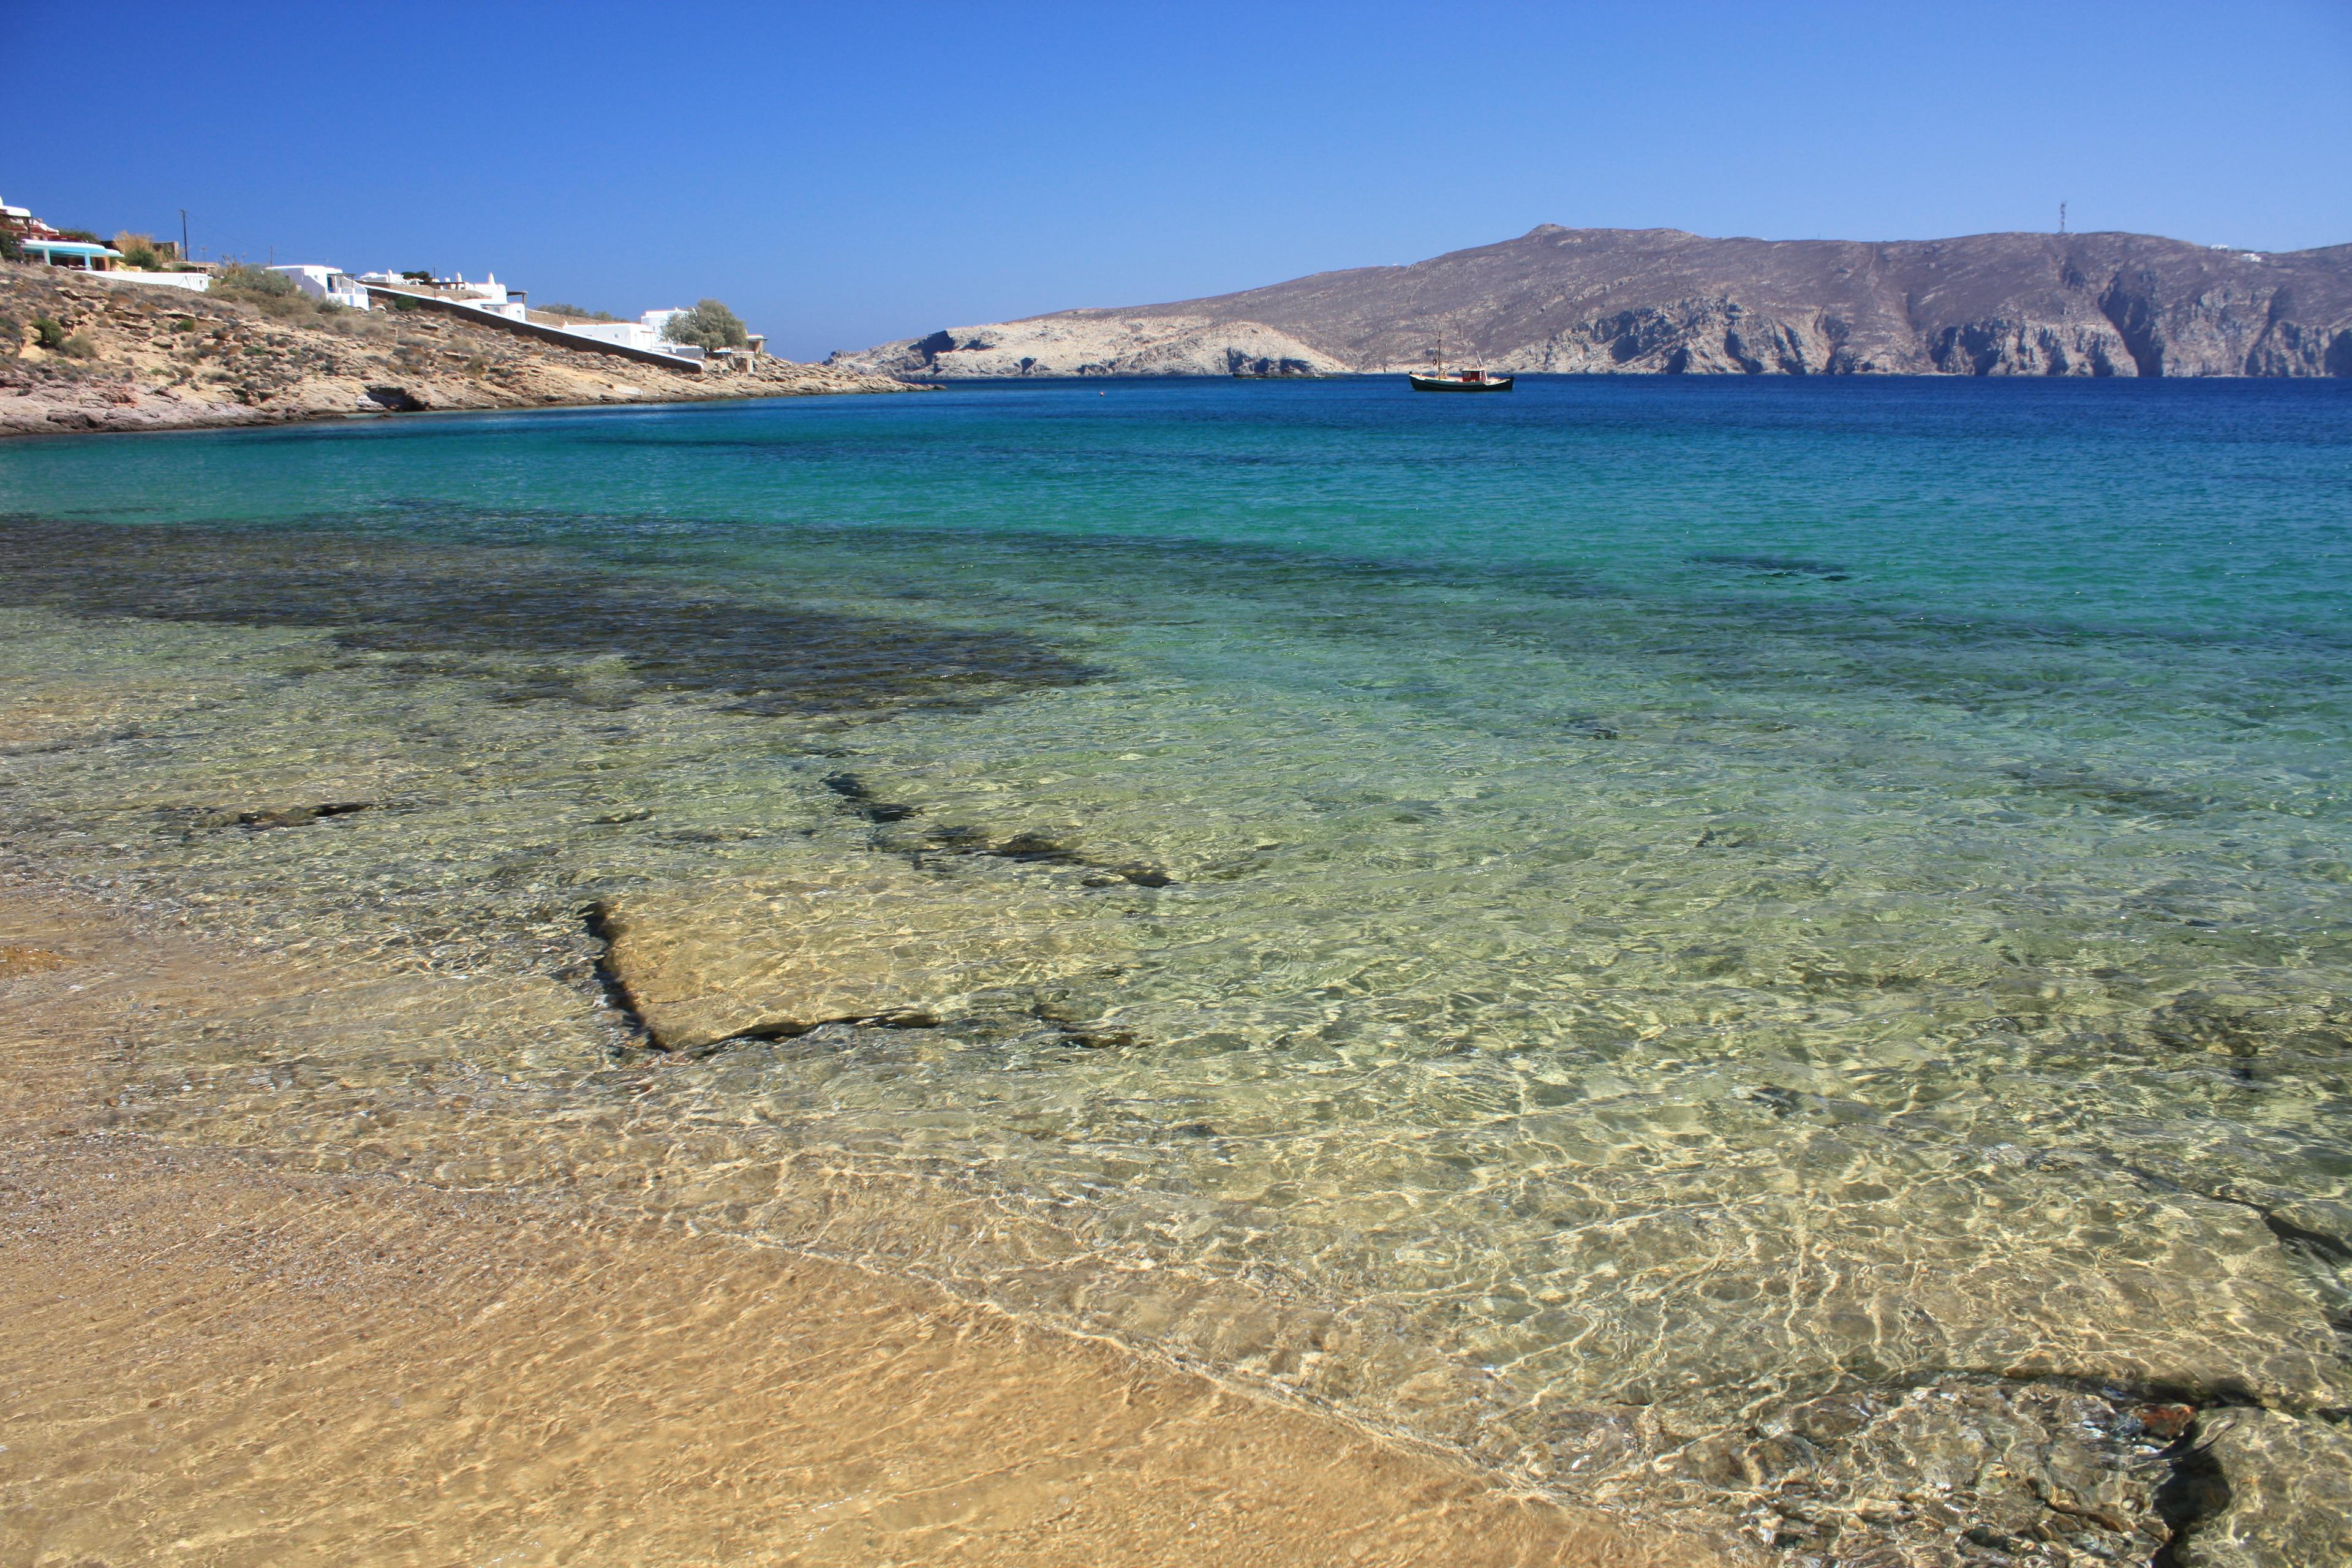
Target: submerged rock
x=875 y=943
x=2285 y=1497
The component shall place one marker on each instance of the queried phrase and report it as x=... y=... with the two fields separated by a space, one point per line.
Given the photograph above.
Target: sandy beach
x=856 y=980
x=217 y=1361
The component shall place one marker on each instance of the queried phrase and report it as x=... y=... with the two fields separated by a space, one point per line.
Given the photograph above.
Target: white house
x=489 y=295
x=645 y=332
x=327 y=283
x=492 y=296
x=497 y=300
x=81 y=253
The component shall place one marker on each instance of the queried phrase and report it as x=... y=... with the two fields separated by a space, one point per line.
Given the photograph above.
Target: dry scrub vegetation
x=80 y=353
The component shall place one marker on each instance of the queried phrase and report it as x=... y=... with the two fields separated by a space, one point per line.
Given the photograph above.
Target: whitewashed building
x=493 y=296
x=489 y=294
x=645 y=332
x=331 y=284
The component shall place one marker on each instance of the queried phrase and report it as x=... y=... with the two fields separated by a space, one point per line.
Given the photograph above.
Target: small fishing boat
x=1458 y=381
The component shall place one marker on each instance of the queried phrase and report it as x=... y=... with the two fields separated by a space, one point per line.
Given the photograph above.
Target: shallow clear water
x=1558 y=922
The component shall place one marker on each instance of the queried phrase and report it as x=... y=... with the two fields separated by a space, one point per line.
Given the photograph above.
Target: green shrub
x=77 y=347
x=275 y=293
x=184 y=324
x=138 y=250
x=47 y=333
x=418 y=276
x=10 y=250
x=710 y=324
x=578 y=313
x=239 y=281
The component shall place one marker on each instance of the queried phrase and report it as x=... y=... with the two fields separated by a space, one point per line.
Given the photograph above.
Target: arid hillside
x=1661 y=301
x=80 y=353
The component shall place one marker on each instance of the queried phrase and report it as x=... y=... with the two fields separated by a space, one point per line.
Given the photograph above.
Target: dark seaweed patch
x=298 y=815
x=1037 y=849
x=852 y=788
x=410 y=596
x=2106 y=794
x=1034 y=846
x=1024 y=849
x=1776 y=565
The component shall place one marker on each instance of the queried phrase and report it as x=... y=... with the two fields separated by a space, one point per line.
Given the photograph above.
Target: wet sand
x=215 y=1361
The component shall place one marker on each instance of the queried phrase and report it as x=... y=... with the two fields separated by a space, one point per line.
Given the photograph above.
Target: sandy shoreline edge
x=229 y=1363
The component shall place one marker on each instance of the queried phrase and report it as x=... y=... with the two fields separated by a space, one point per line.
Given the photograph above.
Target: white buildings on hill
x=493 y=296
x=489 y=294
x=331 y=284
x=645 y=332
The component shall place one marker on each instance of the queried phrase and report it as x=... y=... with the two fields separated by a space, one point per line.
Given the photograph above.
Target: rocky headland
x=132 y=356
x=1661 y=301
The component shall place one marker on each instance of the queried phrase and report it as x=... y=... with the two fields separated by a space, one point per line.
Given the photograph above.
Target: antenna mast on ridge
x=2062 y=217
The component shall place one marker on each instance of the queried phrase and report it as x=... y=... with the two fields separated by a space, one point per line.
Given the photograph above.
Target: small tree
x=710 y=324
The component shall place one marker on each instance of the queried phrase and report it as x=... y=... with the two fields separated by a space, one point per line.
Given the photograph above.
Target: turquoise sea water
x=1568 y=924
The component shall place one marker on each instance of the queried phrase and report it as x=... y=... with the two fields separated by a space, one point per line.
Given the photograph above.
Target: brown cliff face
x=1661 y=301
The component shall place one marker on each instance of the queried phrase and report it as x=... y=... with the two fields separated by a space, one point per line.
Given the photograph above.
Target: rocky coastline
x=1664 y=303
x=135 y=357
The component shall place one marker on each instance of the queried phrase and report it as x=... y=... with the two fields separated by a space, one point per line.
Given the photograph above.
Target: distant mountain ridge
x=1659 y=300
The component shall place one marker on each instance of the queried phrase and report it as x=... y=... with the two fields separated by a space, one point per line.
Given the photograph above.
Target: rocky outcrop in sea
x=1092 y=343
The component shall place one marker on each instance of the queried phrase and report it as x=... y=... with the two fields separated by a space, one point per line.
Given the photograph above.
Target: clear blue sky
x=846 y=173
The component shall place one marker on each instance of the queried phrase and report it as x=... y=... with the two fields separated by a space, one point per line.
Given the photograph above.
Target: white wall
x=628 y=334
x=642 y=333
x=194 y=282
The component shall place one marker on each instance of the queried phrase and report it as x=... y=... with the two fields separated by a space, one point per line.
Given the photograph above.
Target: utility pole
x=185 y=253
x=2062 y=217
